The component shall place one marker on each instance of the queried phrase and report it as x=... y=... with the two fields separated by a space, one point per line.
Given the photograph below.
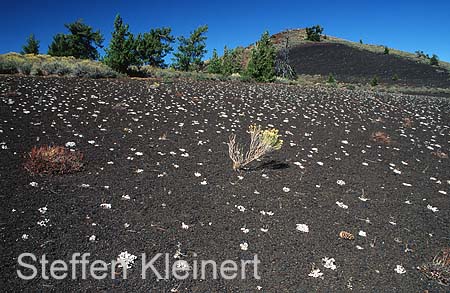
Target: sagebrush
x=262 y=142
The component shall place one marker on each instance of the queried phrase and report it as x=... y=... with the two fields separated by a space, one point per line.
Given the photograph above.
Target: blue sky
x=405 y=25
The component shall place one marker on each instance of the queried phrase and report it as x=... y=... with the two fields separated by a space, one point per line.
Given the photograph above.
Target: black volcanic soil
x=329 y=175
x=349 y=64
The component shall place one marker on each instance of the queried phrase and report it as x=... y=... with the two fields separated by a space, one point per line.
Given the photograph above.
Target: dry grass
x=46 y=160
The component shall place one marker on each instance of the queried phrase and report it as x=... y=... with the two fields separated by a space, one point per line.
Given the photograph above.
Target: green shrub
x=395 y=77
x=331 y=79
x=386 y=50
x=374 y=81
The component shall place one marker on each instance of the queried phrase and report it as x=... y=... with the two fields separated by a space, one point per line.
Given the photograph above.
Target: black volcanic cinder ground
x=349 y=64
x=329 y=176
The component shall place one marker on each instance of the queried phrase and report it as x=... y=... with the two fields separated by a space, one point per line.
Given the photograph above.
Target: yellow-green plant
x=262 y=142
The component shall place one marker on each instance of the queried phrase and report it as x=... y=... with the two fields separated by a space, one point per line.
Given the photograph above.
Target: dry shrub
x=381 y=137
x=46 y=160
x=262 y=142
x=440 y=154
x=407 y=122
x=439 y=268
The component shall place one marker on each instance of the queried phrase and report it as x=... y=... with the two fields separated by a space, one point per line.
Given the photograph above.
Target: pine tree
x=82 y=42
x=215 y=64
x=153 y=46
x=434 y=60
x=237 y=57
x=32 y=46
x=227 y=62
x=191 y=50
x=313 y=33
x=261 y=66
x=121 y=51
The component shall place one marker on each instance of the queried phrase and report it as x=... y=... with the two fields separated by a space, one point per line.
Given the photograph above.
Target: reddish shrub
x=46 y=160
x=381 y=137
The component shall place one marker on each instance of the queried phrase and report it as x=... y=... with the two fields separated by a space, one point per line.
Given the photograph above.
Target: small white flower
x=342 y=205
x=362 y=234
x=43 y=223
x=105 y=205
x=344 y=142
x=70 y=144
x=197 y=174
x=264 y=230
x=443 y=192
x=43 y=210
x=244 y=246
x=241 y=208
x=25 y=236
x=91 y=141
x=302 y=228
x=34 y=184
x=406 y=184
x=315 y=273
x=329 y=263
x=139 y=171
x=85 y=185
x=138 y=153
x=184 y=226
x=340 y=182
x=363 y=198
x=286 y=189
x=433 y=209
x=182 y=265
x=126 y=259
x=320 y=163
x=125 y=197
x=92 y=238
x=245 y=230
x=399 y=269
x=203 y=182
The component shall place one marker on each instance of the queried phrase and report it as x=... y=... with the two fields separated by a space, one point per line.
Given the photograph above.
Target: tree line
x=150 y=48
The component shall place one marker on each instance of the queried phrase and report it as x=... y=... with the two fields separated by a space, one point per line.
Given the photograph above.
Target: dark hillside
x=350 y=64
